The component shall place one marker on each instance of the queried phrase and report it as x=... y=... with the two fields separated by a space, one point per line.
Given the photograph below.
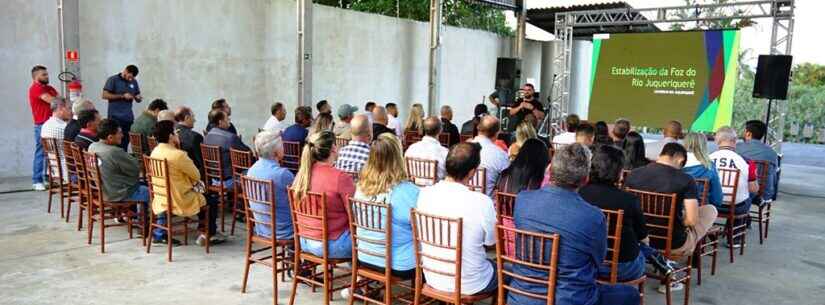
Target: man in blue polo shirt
x=121 y=90
x=752 y=148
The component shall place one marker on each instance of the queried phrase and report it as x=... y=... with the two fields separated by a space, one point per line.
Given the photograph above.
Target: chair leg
x=90 y=222
x=698 y=258
x=729 y=232
x=151 y=234
x=169 y=236
x=668 y=294
x=69 y=202
x=234 y=212
x=49 y=207
x=767 y=218
x=102 y=229
x=715 y=253
x=61 y=189
x=327 y=284
x=297 y=263
x=222 y=210
x=759 y=219
x=80 y=213
x=641 y=293
x=687 y=288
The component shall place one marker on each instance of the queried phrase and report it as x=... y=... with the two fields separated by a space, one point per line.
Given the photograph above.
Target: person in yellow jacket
x=185 y=178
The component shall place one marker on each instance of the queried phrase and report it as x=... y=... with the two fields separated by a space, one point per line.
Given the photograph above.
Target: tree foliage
x=458 y=13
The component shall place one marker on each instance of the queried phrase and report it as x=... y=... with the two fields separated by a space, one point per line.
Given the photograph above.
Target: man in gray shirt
x=119 y=171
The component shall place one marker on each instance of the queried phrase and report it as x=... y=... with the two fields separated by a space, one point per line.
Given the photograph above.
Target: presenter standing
x=121 y=90
x=526 y=104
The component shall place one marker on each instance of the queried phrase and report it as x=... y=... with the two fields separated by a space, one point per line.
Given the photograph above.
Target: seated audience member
x=379 y=122
x=699 y=165
x=55 y=127
x=368 y=108
x=620 y=129
x=526 y=172
x=384 y=180
x=448 y=126
x=602 y=134
x=469 y=127
x=166 y=115
x=276 y=121
x=585 y=134
x=429 y=148
x=727 y=158
x=672 y=133
x=323 y=107
x=493 y=158
x=318 y=175
x=415 y=121
x=270 y=150
x=634 y=151
x=754 y=149
x=323 y=122
x=222 y=105
x=571 y=123
x=451 y=198
x=184 y=176
x=343 y=129
x=557 y=208
x=298 y=132
x=665 y=176
x=393 y=122
x=524 y=132
x=88 y=121
x=189 y=140
x=120 y=171
x=221 y=136
x=601 y=191
x=73 y=127
x=351 y=158
x=146 y=121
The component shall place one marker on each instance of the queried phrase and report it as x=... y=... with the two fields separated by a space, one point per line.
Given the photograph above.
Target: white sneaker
x=39 y=187
x=345 y=293
x=673 y=287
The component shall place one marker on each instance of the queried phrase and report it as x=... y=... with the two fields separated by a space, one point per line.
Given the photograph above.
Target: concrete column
x=435 y=54
x=521 y=31
x=304 y=52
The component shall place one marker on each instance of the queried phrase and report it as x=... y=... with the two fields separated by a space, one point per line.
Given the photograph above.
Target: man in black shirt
x=525 y=105
x=469 y=127
x=190 y=141
x=379 y=122
x=606 y=165
x=665 y=176
x=448 y=126
x=73 y=127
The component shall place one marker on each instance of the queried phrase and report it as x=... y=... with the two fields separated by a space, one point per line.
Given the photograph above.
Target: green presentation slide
x=652 y=78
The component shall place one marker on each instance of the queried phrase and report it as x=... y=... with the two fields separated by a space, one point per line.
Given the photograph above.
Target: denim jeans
x=618 y=295
x=159 y=234
x=37 y=163
x=626 y=271
x=339 y=248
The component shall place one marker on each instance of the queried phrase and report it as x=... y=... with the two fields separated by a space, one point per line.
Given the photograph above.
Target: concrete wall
x=190 y=52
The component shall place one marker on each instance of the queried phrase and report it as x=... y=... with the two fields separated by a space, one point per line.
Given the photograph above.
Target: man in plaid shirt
x=55 y=126
x=351 y=158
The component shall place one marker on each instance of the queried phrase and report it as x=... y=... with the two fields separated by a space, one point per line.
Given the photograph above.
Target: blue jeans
x=626 y=271
x=618 y=295
x=211 y=203
x=37 y=163
x=339 y=248
x=141 y=194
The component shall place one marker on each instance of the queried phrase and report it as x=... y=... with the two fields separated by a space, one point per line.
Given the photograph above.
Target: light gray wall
x=190 y=53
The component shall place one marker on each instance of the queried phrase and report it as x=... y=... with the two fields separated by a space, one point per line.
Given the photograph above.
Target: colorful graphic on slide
x=651 y=78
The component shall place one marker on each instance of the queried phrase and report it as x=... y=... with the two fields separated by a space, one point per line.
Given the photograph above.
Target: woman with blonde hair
x=323 y=122
x=415 y=122
x=384 y=179
x=318 y=174
x=698 y=165
x=524 y=132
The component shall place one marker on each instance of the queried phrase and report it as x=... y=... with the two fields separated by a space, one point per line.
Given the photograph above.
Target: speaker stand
x=768 y=121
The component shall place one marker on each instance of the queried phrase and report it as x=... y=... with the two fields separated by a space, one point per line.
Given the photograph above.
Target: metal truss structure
x=781 y=11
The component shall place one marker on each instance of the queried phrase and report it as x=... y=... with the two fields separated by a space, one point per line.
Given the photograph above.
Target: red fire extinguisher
x=75 y=90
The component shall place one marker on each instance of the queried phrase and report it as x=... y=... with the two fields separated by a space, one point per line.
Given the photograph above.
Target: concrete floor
x=43 y=260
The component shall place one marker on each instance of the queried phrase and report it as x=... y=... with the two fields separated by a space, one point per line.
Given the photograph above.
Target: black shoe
x=662 y=264
x=163 y=241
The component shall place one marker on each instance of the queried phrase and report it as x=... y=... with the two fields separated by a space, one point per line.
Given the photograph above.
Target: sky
x=806 y=44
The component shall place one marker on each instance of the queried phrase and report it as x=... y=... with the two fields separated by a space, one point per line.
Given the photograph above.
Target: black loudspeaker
x=772 y=76
x=508 y=74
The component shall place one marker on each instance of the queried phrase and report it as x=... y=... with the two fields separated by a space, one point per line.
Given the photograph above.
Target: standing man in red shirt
x=40 y=98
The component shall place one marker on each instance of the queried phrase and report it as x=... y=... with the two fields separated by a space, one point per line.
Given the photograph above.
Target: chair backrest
x=504 y=206
x=436 y=234
x=374 y=217
x=292 y=155
x=466 y=137
x=241 y=162
x=152 y=143
x=212 y=163
x=54 y=164
x=444 y=139
x=478 y=183
x=341 y=142
x=614 y=221
x=729 y=178
x=80 y=168
x=309 y=217
x=68 y=157
x=261 y=192
x=136 y=141
x=762 y=168
x=94 y=183
x=660 y=214
x=157 y=177
x=422 y=172
x=411 y=137
x=537 y=251
x=702 y=188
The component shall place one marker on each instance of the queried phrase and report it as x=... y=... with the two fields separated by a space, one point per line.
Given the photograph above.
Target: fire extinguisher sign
x=71 y=55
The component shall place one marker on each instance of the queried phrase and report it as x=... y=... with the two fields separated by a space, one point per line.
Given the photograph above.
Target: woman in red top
x=319 y=175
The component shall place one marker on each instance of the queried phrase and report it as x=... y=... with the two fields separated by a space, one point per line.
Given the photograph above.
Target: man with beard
x=40 y=98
